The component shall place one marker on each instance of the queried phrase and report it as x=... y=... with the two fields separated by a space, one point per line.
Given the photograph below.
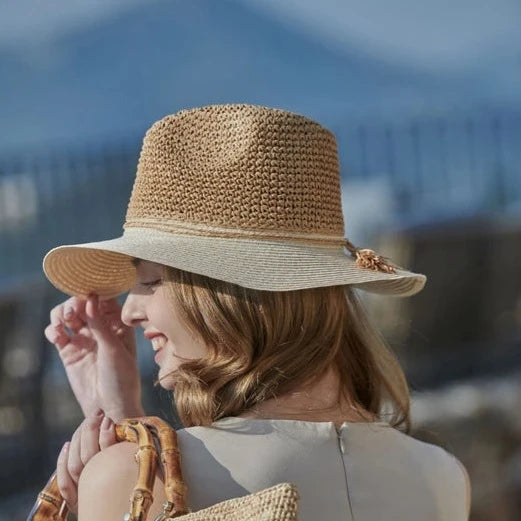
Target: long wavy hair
x=264 y=344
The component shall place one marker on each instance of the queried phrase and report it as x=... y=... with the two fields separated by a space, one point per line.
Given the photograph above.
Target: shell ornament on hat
x=240 y=193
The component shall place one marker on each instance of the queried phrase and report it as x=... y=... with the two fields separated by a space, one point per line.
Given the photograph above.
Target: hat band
x=188 y=228
x=365 y=258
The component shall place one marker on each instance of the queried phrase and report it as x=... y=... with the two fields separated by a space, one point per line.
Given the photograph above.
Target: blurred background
x=424 y=100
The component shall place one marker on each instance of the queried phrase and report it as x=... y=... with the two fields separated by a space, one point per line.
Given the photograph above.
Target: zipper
x=342 y=448
x=341 y=444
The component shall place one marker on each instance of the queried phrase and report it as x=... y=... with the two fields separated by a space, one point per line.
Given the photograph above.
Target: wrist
x=119 y=414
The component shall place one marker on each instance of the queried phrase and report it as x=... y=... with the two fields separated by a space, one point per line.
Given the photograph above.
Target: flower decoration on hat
x=367 y=258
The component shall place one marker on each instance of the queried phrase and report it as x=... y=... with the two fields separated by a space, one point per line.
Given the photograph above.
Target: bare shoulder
x=107 y=481
x=119 y=453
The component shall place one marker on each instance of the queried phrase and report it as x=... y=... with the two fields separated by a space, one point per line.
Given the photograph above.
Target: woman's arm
x=107 y=481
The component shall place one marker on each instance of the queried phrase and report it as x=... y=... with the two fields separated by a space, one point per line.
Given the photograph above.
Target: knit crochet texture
x=227 y=170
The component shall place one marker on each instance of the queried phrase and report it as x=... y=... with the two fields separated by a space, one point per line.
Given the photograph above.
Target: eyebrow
x=135 y=261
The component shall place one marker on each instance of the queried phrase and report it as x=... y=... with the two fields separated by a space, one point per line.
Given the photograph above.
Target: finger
x=68 y=314
x=56 y=336
x=114 y=320
x=74 y=463
x=89 y=439
x=72 y=320
x=122 y=332
x=74 y=313
x=104 y=320
x=98 y=324
x=78 y=306
x=58 y=322
x=110 y=305
x=68 y=489
x=56 y=314
x=118 y=328
x=107 y=436
x=110 y=312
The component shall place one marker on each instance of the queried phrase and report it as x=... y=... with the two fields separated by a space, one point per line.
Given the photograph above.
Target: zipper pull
x=340 y=440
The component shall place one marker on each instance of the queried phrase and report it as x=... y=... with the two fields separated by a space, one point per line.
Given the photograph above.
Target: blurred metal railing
x=439 y=165
x=58 y=198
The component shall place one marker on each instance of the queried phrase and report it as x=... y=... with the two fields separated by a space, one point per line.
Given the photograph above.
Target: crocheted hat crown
x=229 y=170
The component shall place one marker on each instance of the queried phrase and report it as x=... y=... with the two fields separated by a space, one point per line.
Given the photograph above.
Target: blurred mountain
x=114 y=78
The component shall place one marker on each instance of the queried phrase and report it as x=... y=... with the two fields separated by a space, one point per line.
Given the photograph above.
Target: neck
x=316 y=402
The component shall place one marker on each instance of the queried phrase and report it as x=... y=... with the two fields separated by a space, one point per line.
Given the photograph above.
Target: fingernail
x=105 y=424
x=99 y=412
x=66 y=446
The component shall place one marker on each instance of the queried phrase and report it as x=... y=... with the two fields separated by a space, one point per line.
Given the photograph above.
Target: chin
x=167 y=386
x=167 y=382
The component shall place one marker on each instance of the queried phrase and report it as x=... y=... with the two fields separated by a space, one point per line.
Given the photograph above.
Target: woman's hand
x=95 y=433
x=98 y=353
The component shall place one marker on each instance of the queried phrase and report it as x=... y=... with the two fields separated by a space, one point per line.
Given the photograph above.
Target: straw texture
x=241 y=193
x=236 y=169
x=279 y=502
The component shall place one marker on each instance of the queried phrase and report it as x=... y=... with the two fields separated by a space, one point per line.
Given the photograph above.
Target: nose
x=132 y=312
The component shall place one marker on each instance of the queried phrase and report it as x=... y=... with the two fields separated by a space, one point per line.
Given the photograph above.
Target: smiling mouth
x=158 y=342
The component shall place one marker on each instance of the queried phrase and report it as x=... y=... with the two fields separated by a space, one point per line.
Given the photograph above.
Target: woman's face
x=147 y=306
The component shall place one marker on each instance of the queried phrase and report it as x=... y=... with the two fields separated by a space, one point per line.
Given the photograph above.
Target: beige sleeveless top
x=359 y=472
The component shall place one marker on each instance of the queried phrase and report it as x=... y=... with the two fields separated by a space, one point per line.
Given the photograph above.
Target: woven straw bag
x=276 y=503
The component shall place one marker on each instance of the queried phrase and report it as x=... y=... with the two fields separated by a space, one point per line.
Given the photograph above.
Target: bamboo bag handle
x=50 y=505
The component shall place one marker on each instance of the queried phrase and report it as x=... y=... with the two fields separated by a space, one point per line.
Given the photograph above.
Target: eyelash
x=151 y=284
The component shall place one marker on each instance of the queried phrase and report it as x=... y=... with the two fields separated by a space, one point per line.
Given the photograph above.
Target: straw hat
x=240 y=193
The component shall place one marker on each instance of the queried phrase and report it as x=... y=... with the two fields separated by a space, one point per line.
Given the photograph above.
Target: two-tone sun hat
x=240 y=193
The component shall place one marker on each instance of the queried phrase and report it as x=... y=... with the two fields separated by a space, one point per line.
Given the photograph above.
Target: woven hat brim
x=104 y=267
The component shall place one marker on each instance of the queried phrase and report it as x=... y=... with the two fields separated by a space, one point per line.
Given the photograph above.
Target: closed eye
x=151 y=284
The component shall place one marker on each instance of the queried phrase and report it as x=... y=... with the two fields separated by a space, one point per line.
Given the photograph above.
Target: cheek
x=161 y=319
x=187 y=348
x=184 y=346
x=182 y=342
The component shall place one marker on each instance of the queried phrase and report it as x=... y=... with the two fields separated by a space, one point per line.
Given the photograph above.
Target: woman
x=235 y=260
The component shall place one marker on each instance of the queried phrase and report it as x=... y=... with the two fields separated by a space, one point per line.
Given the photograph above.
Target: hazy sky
x=33 y=22
x=446 y=34
x=431 y=34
